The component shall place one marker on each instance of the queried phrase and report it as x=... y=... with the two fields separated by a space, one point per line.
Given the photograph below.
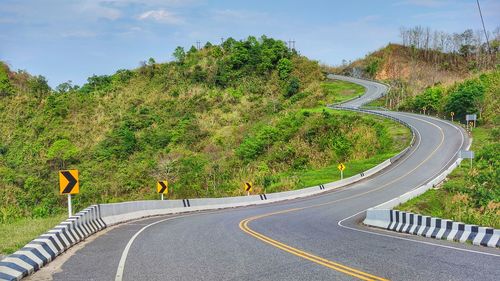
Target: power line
x=484 y=28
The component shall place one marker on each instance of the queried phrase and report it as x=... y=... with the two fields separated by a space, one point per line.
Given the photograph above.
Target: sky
x=72 y=40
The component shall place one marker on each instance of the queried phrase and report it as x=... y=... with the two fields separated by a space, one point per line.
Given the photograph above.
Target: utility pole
x=198 y=43
x=222 y=40
x=293 y=44
x=484 y=28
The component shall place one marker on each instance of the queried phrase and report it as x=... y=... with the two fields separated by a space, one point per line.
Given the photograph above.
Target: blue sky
x=71 y=40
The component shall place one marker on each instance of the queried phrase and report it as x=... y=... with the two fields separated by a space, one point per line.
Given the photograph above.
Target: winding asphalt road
x=314 y=238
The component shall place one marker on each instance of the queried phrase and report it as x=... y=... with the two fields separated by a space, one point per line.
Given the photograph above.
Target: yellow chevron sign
x=341 y=167
x=68 y=182
x=162 y=187
x=248 y=186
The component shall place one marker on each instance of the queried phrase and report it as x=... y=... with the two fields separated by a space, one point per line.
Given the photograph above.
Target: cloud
x=161 y=16
x=99 y=10
x=240 y=15
x=424 y=3
x=79 y=34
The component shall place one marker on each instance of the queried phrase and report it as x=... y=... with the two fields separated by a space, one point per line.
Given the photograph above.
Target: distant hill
x=411 y=70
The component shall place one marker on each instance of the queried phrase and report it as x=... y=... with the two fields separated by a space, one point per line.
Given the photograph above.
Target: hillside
x=249 y=110
x=411 y=70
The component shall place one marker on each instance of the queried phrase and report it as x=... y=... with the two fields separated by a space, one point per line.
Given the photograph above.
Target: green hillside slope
x=249 y=110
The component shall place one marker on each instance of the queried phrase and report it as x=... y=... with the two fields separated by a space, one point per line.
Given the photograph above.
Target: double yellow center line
x=319 y=260
x=316 y=259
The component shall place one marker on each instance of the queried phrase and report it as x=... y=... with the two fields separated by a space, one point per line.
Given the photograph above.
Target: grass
x=401 y=137
x=446 y=202
x=380 y=102
x=339 y=91
x=17 y=234
x=331 y=173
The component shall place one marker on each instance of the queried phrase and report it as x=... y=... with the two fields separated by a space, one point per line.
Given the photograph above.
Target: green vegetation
x=339 y=91
x=472 y=194
x=207 y=121
x=17 y=234
x=477 y=95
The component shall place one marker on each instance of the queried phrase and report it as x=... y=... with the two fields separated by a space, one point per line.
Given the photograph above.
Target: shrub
x=292 y=87
x=120 y=143
x=284 y=68
x=62 y=151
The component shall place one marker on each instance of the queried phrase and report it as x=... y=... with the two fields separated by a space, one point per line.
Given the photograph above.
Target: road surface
x=314 y=238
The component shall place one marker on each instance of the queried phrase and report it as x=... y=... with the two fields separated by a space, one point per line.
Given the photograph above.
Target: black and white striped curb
x=48 y=246
x=443 y=229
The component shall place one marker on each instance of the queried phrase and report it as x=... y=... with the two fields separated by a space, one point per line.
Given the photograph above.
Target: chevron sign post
x=69 y=184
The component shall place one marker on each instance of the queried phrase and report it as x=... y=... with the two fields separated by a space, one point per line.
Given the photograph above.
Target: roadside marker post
x=69 y=184
x=452 y=114
x=341 y=168
x=162 y=188
x=248 y=187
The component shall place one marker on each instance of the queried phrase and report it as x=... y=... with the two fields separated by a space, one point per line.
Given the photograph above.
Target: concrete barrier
x=48 y=246
x=437 y=228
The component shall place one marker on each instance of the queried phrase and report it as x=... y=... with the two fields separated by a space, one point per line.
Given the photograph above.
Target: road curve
x=314 y=238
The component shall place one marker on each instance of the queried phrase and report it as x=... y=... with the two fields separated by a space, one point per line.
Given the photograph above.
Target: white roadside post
x=70 y=211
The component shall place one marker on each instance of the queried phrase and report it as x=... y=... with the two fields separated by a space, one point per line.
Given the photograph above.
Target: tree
x=179 y=54
x=465 y=98
x=38 y=86
x=65 y=87
x=5 y=86
x=429 y=99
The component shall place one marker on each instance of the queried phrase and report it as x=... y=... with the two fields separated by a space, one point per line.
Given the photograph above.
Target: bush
x=120 y=143
x=373 y=66
x=284 y=68
x=62 y=151
x=254 y=146
x=292 y=87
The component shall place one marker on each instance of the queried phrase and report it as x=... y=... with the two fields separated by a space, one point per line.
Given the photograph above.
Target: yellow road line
x=319 y=260
x=316 y=259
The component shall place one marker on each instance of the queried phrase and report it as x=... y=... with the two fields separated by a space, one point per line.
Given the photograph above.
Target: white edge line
x=413 y=240
x=123 y=258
